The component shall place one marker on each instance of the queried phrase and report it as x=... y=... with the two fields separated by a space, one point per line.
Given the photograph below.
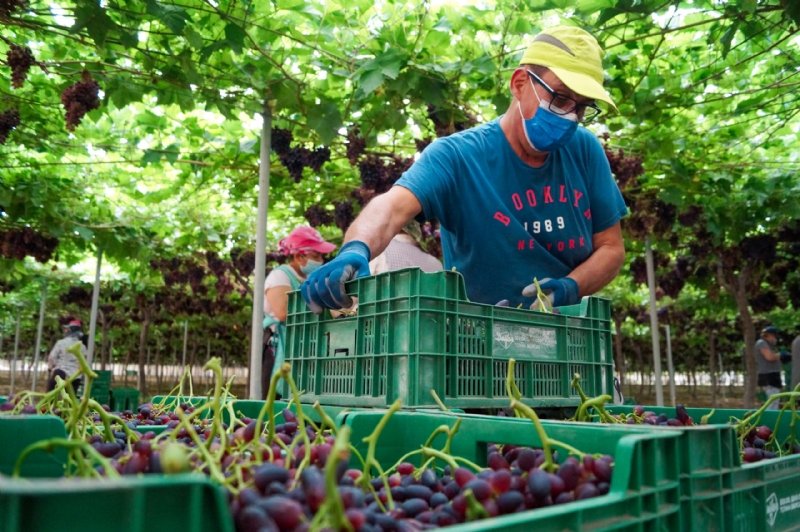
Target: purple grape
x=509 y=501
x=539 y=484
x=413 y=507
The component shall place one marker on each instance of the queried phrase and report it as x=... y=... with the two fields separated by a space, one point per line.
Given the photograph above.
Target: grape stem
x=511 y=386
x=51 y=445
x=332 y=513
x=528 y=412
x=269 y=408
x=439 y=401
x=475 y=510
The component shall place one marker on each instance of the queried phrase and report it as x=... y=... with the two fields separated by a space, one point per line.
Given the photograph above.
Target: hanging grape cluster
x=17 y=243
x=626 y=168
x=8 y=121
x=295 y=159
x=422 y=144
x=316 y=158
x=317 y=216
x=649 y=216
x=79 y=99
x=78 y=296
x=356 y=145
x=20 y=59
x=445 y=123
x=243 y=261
x=343 y=214
x=281 y=141
x=9 y=7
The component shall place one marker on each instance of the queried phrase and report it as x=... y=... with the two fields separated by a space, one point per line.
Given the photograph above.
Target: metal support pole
x=651 y=283
x=185 y=342
x=16 y=351
x=670 y=367
x=257 y=331
x=95 y=300
x=2 y=337
x=42 y=307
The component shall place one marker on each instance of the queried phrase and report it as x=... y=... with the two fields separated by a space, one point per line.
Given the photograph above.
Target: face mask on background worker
x=311 y=265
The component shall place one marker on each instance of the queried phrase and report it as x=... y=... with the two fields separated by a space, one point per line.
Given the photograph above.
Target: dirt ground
x=199 y=388
x=699 y=397
x=733 y=397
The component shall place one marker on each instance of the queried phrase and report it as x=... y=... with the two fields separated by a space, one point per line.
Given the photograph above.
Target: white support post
x=651 y=283
x=257 y=331
x=670 y=367
x=42 y=307
x=185 y=343
x=16 y=351
x=93 y=316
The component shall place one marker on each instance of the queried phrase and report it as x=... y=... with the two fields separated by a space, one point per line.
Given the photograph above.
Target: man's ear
x=518 y=80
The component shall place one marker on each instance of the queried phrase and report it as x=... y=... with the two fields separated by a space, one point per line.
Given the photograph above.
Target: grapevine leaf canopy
x=704 y=89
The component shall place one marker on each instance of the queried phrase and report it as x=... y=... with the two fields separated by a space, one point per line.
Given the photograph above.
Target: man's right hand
x=324 y=288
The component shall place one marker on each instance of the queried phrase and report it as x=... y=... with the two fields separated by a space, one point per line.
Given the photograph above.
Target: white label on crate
x=785 y=505
x=772 y=509
x=525 y=340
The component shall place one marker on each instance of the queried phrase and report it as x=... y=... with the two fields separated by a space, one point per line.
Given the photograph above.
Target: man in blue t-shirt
x=529 y=195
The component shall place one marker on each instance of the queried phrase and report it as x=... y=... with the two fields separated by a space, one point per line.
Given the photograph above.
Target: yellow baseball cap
x=574 y=56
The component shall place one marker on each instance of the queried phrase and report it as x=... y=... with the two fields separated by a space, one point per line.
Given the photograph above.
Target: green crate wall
x=145 y=504
x=415 y=332
x=723 y=416
x=18 y=432
x=645 y=486
x=720 y=493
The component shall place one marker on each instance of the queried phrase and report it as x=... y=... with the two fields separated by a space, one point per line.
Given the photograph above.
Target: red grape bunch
x=317 y=215
x=626 y=168
x=8 y=121
x=355 y=146
x=343 y=214
x=281 y=141
x=9 y=7
x=315 y=159
x=20 y=59
x=79 y=99
x=17 y=243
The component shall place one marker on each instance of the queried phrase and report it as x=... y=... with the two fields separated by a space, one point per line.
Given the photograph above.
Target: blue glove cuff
x=358 y=247
x=573 y=292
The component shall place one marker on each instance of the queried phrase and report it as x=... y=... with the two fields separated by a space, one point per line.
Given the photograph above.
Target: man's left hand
x=560 y=292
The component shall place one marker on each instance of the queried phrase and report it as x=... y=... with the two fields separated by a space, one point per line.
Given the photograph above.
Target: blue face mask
x=310 y=266
x=547 y=131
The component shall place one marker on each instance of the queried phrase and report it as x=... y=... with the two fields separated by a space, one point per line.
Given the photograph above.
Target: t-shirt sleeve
x=608 y=207
x=431 y=179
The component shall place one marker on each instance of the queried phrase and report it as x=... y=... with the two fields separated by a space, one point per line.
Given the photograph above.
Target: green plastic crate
x=124 y=399
x=144 y=504
x=645 y=488
x=417 y=332
x=722 y=416
x=18 y=432
x=3 y=399
x=718 y=492
x=101 y=387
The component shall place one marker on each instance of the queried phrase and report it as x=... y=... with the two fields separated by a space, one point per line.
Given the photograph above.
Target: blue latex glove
x=324 y=288
x=560 y=292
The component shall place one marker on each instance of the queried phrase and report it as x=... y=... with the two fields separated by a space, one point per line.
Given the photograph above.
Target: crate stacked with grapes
x=295 y=470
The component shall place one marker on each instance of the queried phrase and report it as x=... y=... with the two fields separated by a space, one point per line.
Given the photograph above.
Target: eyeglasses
x=563 y=105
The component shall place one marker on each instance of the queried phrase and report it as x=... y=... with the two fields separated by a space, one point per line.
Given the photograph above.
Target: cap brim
x=323 y=247
x=583 y=85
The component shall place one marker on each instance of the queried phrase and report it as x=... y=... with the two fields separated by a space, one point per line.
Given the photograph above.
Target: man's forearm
x=383 y=218
x=602 y=266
